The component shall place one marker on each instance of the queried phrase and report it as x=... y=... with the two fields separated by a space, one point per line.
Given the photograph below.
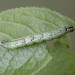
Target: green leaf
x=63 y=62
x=21 y=22
x=23 y=61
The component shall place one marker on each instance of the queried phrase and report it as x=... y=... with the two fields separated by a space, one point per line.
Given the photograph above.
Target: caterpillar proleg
x=37 y=38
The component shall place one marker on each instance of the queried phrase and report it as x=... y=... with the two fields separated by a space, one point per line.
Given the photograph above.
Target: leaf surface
x=21 y=22
x=63 y=62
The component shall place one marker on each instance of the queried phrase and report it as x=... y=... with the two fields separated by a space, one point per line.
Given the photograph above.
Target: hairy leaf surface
x=21 y=22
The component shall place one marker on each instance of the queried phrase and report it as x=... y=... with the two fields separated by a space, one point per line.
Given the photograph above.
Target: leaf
x=21 y=22
x=63 y=62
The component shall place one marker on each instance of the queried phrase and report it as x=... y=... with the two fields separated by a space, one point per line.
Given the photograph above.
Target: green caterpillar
x=37 y=38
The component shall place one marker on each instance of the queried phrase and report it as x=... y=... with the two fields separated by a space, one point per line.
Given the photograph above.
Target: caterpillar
x=37 y=38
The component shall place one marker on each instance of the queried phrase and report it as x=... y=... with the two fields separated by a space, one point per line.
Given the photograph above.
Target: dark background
x=65 y=7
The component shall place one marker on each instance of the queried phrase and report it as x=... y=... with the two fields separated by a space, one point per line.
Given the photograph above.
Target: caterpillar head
x=69 y=29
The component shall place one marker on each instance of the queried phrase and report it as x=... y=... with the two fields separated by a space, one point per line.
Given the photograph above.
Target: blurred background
x=65 y=7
